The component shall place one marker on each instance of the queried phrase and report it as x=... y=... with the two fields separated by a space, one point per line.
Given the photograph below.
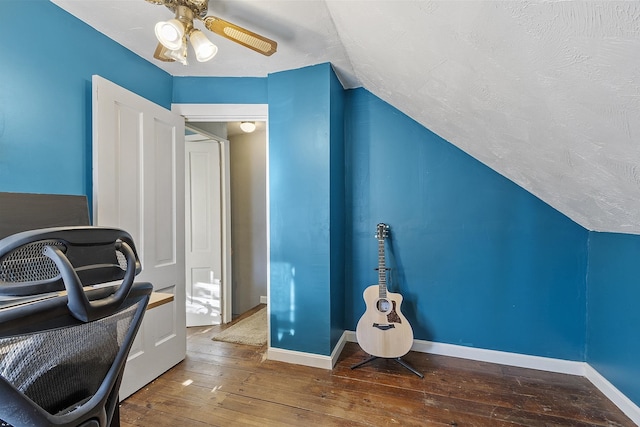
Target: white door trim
x=232 y=113
x=222 y=112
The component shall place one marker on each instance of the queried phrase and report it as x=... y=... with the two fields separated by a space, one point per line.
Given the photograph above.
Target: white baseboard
x=492 y=356
x=630 y=409
x=308 y=359
x=335 y=354
x=299 y=358
x=263 y=299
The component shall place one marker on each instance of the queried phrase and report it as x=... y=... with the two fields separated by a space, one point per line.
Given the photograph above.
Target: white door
x=203 y=231
x=138 y=185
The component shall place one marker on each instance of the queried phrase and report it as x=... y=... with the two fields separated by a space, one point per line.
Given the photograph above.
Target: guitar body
x=383 y=331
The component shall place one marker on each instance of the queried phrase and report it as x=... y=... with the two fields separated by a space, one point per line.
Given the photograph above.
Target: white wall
x=248 y=219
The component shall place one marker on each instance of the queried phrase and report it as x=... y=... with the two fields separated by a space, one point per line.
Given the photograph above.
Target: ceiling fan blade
x=161 y=54
x=240 y=35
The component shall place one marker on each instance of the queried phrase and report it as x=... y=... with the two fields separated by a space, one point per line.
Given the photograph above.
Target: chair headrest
x=94 y=253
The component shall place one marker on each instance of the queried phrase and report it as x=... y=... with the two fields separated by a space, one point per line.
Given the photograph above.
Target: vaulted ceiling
x=545 y=93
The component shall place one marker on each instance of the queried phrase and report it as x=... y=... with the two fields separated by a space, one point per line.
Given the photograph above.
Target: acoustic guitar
x=383 y=331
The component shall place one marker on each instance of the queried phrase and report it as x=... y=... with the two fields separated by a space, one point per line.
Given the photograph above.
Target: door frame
x=231 y=113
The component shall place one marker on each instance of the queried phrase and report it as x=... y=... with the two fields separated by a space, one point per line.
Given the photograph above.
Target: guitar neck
x=382 y=270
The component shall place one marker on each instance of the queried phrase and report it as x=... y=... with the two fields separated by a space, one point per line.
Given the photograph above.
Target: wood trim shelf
x=159 y=298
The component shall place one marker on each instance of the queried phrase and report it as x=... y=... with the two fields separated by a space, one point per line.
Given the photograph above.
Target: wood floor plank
x=351 y=400
x=223 y=384
x=407 y=404
x=567 y=397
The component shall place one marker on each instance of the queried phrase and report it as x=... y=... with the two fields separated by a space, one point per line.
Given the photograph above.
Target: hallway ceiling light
x=248 y=127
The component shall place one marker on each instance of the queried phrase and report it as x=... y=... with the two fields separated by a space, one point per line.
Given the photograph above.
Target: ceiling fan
x=173 y=34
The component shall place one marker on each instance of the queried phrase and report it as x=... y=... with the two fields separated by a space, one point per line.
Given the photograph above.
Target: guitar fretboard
x=382 y=270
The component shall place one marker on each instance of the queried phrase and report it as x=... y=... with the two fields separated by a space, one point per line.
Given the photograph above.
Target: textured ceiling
x=546 y=93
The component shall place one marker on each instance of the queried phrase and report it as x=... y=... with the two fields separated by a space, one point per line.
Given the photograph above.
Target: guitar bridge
x=383 y=327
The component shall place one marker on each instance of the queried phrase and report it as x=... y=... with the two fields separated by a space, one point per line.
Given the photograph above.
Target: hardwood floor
x=222 y=384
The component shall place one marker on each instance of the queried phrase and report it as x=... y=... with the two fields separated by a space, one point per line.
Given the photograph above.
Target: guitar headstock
x=382 y=231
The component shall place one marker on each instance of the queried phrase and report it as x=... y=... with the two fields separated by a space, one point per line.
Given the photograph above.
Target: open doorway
x=247 y=185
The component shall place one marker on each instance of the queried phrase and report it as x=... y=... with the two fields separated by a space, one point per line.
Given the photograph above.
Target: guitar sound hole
x=384 y=305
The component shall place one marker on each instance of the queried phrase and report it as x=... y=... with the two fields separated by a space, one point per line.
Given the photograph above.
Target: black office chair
x=62 y=354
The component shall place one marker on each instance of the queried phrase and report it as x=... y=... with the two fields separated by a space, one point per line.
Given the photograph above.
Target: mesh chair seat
x=62 y=357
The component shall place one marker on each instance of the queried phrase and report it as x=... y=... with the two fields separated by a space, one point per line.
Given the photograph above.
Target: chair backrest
x=62 y=354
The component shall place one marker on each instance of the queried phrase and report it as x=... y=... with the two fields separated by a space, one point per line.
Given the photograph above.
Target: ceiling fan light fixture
x=178 y=55
x=248 y=127
x=205 y=50
x=170 y=33
x=173 y=34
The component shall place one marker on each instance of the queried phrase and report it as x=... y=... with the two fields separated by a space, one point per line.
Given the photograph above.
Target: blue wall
x=337 y=209
x=45 y=95
x=480 y=261
x=300 y=166
x=613 y=316
x=220 y=90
